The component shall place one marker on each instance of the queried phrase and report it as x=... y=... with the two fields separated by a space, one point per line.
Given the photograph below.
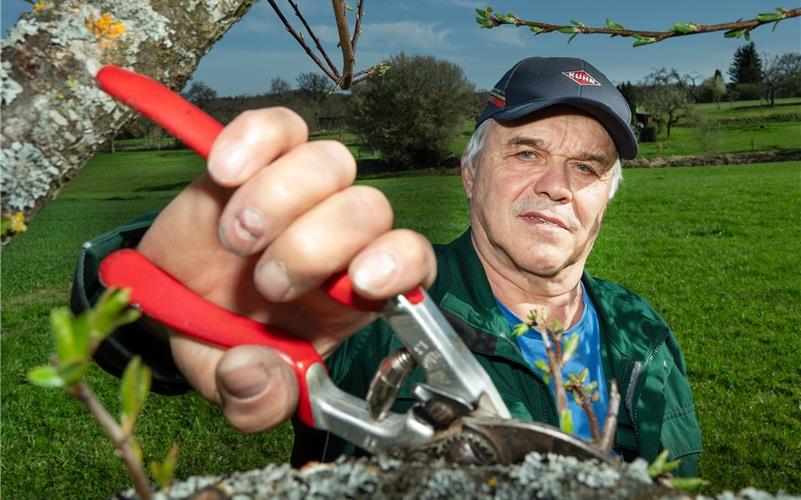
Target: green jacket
x=638 y=350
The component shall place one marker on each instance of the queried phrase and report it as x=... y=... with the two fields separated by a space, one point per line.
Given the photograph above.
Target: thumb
x=258 y=390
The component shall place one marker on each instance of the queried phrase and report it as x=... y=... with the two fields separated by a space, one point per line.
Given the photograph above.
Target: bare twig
x=297 y=36
x=344 y=43
x=314 y=37
x=553 y=349
x=357 y=29
x=121 y=439
x=585 y=401
x=734 y=29
x=610 y=425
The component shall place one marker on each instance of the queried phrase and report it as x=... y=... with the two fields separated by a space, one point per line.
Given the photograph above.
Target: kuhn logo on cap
x=582 y=78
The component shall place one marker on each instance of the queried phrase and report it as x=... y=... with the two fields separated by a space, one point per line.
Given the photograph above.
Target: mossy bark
x=54 y=116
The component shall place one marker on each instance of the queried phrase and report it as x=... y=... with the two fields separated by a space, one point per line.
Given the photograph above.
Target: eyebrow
x=536 y=142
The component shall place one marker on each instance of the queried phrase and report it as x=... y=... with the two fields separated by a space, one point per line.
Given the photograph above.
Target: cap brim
x=618 y=130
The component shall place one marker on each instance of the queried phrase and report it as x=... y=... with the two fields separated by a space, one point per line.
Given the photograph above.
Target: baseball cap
x=536 y=83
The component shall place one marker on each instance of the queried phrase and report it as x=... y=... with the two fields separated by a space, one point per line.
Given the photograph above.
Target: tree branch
x=610 y=424
x=344 y=43
x=314 y=37
x=121 y=439
x=332 y=75
x=357 y=29
x=490 y=19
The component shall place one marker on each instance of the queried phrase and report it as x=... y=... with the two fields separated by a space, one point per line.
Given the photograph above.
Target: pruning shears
x=459 y=413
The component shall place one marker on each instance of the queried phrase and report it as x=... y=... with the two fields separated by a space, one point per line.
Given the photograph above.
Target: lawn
x=714 y=249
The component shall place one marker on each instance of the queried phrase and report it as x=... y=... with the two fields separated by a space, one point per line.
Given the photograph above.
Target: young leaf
x=613 y=25
x=61 y=324
x=684 y=28
x=521 y=329
x=566 y=421
x=72 y=372
x=568 y=29
x=45 y=376
x=686 y=484
x=133 y=390
x=643 y=40
x=735 y=33
x=572 y=37
x=535 y=29
x=570 y=347
x=656 y=467
x=481 y=12
x=164 y=471
x=577 y=23
x=766 y=17
x=542 y=366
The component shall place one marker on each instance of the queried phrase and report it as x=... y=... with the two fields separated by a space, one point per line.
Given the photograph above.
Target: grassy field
x=714 y=249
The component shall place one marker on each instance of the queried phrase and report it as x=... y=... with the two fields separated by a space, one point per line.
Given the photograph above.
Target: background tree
x=200 y=94
x=414 y=111
x=712 y=89
x=782 y=74
x=279 y=86
x=666 y=95
x=745 y=73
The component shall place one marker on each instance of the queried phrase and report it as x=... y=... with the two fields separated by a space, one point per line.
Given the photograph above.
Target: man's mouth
x=539 y=218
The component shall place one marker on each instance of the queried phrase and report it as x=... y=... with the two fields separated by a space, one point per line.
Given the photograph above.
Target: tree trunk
x=54 y=115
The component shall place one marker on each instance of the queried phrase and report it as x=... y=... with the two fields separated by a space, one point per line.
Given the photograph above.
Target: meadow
x=714 y=249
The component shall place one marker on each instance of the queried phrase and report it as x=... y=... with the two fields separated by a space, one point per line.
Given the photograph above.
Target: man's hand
x=274 y=217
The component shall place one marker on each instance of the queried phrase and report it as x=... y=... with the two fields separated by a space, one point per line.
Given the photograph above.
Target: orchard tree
x=279 y=86
x=200 y=94
x=414 y=111
x=783 y=75
x=713 y=89
x=666 y=95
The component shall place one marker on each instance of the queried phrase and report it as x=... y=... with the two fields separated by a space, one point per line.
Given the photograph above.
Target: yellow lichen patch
x=105 y=27
x=492 y=482
x=41 y=5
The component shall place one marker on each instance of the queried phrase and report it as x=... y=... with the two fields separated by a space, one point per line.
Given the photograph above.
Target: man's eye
x=527 y=155
x=585 y=169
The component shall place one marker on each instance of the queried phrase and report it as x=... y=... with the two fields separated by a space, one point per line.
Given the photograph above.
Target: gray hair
x=476 y=144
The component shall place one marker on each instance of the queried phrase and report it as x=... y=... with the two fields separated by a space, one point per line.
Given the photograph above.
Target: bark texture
x=54 y=116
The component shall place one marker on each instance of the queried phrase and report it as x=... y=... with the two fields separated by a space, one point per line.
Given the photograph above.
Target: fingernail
x=242 y=377
x=248 y=224
x=228 y=162
x=273 y=281
x=374 y=271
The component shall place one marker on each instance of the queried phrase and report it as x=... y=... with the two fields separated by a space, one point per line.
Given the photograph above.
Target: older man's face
x=539 y=191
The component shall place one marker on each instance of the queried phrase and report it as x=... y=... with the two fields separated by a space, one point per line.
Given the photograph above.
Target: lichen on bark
x=54 y=115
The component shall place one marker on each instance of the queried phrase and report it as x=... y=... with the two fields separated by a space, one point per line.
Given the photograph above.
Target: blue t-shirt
x=587 y=355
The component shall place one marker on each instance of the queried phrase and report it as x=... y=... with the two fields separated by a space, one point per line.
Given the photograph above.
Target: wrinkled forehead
x=563 y=129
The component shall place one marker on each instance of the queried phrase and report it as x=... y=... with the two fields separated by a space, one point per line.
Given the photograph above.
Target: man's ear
x=467 y=179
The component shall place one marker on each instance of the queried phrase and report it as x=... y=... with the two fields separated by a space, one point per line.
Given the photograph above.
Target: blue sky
x=258 y=48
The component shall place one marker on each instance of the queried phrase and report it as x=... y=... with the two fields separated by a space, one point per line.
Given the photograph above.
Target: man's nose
x=554 y=182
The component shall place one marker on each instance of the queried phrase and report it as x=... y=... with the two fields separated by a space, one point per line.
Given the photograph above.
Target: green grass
x=714 y=249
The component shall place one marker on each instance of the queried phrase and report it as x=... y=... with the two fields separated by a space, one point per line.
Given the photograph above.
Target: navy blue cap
x=536 y=83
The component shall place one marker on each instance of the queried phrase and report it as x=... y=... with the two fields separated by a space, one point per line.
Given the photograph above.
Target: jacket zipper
x=635 y=380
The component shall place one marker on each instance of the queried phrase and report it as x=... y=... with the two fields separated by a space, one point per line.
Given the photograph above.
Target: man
x=277 y=215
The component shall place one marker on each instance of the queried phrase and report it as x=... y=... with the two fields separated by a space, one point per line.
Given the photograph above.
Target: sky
x=258 y=48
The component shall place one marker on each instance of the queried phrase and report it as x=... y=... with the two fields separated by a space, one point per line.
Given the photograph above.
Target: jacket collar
x=628 y=323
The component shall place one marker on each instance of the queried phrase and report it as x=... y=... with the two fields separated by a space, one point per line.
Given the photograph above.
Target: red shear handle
x=185 y=121
x=166 y=300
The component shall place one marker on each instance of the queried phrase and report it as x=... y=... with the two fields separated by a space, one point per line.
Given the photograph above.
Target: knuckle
x=372 y=203
x=338 y=155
